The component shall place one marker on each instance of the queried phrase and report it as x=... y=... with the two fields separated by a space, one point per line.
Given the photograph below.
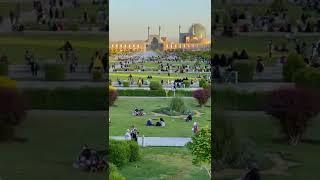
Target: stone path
x=158 y=141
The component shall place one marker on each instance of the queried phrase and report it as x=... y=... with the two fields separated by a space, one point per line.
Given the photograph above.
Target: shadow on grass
x=305 y=141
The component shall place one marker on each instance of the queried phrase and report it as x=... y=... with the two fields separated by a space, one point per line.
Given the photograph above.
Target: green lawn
x=164 y=163
x=46 y=46
x=263 y=130
x=122 y=119
x=54 y=140
x=155 y=76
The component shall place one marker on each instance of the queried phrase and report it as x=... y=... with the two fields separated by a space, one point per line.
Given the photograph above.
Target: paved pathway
x=158 y=141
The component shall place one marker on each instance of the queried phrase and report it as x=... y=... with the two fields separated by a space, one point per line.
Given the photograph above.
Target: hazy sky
x=129 y=19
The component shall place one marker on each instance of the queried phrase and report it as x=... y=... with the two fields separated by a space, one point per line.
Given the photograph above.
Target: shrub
x=54 y=72
x=97 y=75
x=245 y=70
x=294 y=108
x=177 y=104
x=309 y=77
x=201 y=95
x=119 y=152
x=113 y=95
x=113 y=172
x=4 y=69
x=134 y=151
x=294 y=64
x=12 y=111
x=7 y=82
x=203 y=83
x=126 y=83
x=186 y=83
x=155 y=85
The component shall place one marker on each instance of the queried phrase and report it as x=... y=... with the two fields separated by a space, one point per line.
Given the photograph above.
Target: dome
x=199 y=30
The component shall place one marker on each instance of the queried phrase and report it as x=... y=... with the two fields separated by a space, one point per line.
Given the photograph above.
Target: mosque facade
x=194 y=39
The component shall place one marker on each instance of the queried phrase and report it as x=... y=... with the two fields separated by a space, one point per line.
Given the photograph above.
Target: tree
x=202 y=96
x=294 y=108
x=200 y=147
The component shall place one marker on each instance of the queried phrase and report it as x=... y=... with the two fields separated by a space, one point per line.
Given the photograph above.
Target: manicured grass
x=54 y=140
x=45 y=46
x=264 y=131
x=155 y=76
x=122 y=119
x=164 y=163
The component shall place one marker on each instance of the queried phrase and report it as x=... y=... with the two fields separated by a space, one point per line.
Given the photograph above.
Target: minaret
x=148 y=31
x=180 y=34
x=159 y=31
x=193 y=30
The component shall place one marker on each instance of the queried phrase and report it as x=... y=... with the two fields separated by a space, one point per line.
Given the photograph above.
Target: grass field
x=155 y=76
x=122 y=119
x=54 y=140
x=263 y=130
x=164 y=163
x=45 y=46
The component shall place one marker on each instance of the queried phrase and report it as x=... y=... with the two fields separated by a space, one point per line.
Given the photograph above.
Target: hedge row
x=66 y=99
x=93 y=98
x=141 y=92
x=123 y=152
x=234 y=100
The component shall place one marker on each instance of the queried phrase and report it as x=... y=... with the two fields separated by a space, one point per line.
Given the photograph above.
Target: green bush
x=309 y=77
x=155 y=85
x=126 y=83
x=186 y=83
x=245 y=69
x=54 y=72
x=177 y=105
x=97 y=75
x=4 y=69
x=203 y=83
x=119 y=152
x=113 y=172
x=295 y=63
x=134 y=151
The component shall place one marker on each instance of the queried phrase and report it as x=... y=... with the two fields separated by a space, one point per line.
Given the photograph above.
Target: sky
x=129 y=19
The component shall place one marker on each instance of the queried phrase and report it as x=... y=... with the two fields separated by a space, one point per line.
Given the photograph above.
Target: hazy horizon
x=129 y=19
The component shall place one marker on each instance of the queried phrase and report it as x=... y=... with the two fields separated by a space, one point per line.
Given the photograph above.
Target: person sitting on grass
x=161 y=123
x=149 y=122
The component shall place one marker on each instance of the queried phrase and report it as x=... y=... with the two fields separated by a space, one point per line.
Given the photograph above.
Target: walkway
x=158 y=141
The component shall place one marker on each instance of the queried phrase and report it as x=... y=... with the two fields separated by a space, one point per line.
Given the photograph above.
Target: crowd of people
x=274 y=19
